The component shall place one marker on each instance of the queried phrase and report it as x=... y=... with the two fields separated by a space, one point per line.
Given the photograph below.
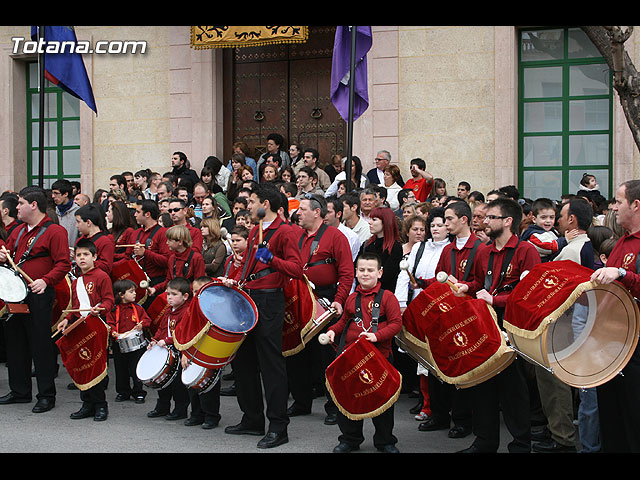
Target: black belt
x=263 y=290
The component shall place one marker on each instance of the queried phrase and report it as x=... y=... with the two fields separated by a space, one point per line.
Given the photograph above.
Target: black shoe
x=296 y=410
x=458 y=431
x=273 y=439
x=71 y=386
x=176 y=416
x=209 y=425
x=431 y=425
x=343 y=447
x=139 y=399
x=121 y=397
x=101 y=414
x=10 y=398
x=331 y=419
x=84 y=412
x=474 y=449
x=228 y=391
x=543 y=435
x=417 y=408
x=552 y=447
x=43 y=405
x=240 y=429
x=155 y=413
x=191 y=421
x=389 y=449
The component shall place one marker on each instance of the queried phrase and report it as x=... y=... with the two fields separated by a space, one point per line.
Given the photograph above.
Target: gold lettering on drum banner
x=435 y=301
x=79 y=345
x=375 y=387
x=291 y=300
x=469 y=350
x=89 y=365
x=457 y=326
x=357 y=366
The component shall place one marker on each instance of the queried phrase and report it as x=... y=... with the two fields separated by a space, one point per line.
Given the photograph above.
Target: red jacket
x=53 y=245
x=105 y=248
x=286 y=261
x=126 y=315
x=168 y=323
x=333 y=245
x=625 y=254
x=388 y=327
x=421 y=189
x=99 y=288
x=128 y=237
x=154 y=262
x=461 y=256
x=176 y=267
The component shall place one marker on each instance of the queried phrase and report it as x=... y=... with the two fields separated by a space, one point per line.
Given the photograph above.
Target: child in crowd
x=368 y=274
x=178 y=298
x=90 y=292
x=205 y=407
x=127 y=316
x=542 y=232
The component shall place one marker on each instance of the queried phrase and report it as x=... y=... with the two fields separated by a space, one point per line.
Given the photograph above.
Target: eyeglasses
x=494 y=217
x=173 y=210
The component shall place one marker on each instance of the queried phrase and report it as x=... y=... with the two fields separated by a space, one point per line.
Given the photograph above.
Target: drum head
x=13 y=289
x=192 y=373
x=152 y=362
x=594 y=339
x=227 y=308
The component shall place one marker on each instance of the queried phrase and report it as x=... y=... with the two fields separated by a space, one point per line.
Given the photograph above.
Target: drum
x=582 y=332
x=324 y=314
x=13 y=288
x=131 y=341
x=199 y=378
x=132 y=270
x=62 y=301
x=158 y=366
x=219 y=320
x=361 y=382
x=157 y=310
x=457 y=336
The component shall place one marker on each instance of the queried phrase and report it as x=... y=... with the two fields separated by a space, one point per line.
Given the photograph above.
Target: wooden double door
x=285 y=89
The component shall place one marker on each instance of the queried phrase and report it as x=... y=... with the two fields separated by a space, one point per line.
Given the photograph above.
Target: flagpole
x=41 y=117
x=352 y=75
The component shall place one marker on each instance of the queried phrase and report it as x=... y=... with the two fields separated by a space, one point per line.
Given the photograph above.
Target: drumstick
x=442 y=277
x=323 y=339
x=16 y=267
x=80 y=310
x=69 y=328
x=404 y=265
x=261 y=215
x=227 y=238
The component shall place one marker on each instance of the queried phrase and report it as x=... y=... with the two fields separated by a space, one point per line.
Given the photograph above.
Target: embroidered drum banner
x=247 y=36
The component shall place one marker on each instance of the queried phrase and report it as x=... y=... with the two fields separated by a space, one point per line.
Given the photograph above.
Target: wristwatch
x=621 y=273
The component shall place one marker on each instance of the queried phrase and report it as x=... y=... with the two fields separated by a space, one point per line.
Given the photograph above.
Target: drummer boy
x=368 y=274
x=91 y=293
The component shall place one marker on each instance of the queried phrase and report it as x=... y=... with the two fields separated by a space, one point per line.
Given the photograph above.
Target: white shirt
x=362 y=230
x=353 y=238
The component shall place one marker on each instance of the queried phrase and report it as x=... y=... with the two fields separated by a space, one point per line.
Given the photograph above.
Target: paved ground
x=129 y=430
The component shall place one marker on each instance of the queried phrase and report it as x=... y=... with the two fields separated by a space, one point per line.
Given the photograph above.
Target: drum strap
x=314 y=245
x=264 y=272
x=134 y=317
x=488 y=279
x=147 y=242
x=25 y=256
x=419 y=253
x=467 y=268
x=185 y=267
x=375 y=316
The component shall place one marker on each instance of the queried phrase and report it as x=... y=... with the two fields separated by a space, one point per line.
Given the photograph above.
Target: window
x=61 y=131
x=565 y=113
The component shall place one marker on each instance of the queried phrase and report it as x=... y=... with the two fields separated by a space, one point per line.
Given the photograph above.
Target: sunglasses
x=174 y=210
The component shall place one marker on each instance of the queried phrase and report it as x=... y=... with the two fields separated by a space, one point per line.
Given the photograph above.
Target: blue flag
x=340 y=71
x=66 y=68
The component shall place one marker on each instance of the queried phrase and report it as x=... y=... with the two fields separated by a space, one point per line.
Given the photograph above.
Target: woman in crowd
x=391 y=178
x=214 y=249
x=385 y=241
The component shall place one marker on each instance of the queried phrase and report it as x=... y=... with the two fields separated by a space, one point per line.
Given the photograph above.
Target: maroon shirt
x=126 y=316
x=99 y=289
x=167 y=324
x=154 y=262
x=461 y=256
x=105 y=248
x=128 y=237
x=388 y=327
x=176 y=264
x=333 y=244
x=625 y=254
x=53 y=244
x=286 y=261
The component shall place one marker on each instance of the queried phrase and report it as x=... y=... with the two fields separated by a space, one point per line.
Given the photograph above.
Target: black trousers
x=507 y=393
x=176 y=391
x=95 y=397
x=259 y=362
x=449 y=403
x=206 y=406
x=618 y=408
x=125 y=364
x=28 y=338
x=351 y=430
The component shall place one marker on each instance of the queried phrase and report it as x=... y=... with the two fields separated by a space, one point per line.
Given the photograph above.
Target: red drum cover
x=132 y=270
x=543 y=295
x=83 y=352
x=300 y=309
x=362 y=383
x=157 y=310
x=62 y=301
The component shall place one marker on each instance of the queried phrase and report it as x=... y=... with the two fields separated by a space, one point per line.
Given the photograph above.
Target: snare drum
x=199 y=378
x=158 y=366
x=131 y=341
x=582 y=332
x=223 y=316
x=13 y=288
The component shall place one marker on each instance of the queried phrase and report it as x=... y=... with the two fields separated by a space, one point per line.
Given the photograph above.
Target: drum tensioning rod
x=418 y=358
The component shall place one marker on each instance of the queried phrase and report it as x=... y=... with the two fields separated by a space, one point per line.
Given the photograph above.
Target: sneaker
x=421 y=417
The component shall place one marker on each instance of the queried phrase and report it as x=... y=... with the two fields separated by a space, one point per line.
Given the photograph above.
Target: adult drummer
x=618 y=399
x=41 y=249
x=499 y=269
x=328 y=265
x=90 y=223
x=265 y=269
x=151 y=249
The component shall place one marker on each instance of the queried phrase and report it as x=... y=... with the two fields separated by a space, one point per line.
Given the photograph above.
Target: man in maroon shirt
x=41 y=249
x=618 y=399
x=328 y=265
x=151 y=244
x=178 y=212
x=500 y=267
x=265 y=269
x=90 y=222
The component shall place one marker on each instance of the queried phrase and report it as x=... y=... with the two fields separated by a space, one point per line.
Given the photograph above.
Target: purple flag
x=340 y=70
